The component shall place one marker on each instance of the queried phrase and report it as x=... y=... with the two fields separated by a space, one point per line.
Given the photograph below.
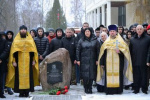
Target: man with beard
x=42 y=44
x=68 y=42
x=111 y=70
x=56 y=43
x=23 y=70
x=139 y=46
x=3 y=57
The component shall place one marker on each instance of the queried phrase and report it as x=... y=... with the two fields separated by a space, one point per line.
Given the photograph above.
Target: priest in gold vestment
x=115 y=67
x=23 y=71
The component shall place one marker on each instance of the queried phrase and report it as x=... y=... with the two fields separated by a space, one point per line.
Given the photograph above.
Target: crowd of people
x=113 y=58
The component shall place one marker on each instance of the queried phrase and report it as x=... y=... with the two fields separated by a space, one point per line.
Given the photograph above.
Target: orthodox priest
x=23 y=71
x=115 y=67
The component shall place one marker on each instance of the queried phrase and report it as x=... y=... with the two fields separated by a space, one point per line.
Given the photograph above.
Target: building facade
x=120 y=12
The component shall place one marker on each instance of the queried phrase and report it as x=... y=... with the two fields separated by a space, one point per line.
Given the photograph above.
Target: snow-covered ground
x=77 y=93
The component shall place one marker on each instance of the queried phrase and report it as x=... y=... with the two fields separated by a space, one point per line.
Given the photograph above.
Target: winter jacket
x=87 y=53
x=42 y=45
x=139 y=49
x=3 y=55
x=56 y=43
x=69 y=44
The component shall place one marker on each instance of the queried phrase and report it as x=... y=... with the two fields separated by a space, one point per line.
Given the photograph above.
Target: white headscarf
x=103 y=33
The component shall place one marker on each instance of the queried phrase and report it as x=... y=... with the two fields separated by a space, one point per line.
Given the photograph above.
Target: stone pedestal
x=57 y=62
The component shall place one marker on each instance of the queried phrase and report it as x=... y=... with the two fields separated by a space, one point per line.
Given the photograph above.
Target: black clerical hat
x=22 y=27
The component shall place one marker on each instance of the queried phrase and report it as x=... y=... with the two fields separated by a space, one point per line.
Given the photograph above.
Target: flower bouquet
x=58 y=90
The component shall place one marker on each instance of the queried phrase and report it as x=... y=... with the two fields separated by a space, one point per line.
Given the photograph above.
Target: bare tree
x=8 y=15
x=78 y=12
x=30 y=13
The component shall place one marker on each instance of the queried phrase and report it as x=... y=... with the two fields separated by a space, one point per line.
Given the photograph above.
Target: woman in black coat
x=87 y=56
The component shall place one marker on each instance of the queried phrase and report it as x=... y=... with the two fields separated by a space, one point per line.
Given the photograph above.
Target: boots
x=21 y=95
x=85 y=86
x=2 y=96
x=90 y=86
x=26 y=94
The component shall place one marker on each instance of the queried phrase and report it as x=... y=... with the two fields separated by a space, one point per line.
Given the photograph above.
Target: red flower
x=63 y=92
x=66 y=90
x=66 y=87
x=58 y=93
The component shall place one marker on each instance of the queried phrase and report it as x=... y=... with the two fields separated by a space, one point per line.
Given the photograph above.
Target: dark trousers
x=4 y=80
x=77 y=74
x=88 y=83
x=2 y=75
x=140 y=78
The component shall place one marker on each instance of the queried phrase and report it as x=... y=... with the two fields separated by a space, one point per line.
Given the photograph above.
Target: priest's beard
x=23 y=35
x=112 y=36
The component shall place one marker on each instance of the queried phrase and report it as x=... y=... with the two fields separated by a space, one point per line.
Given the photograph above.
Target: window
x=122 y=16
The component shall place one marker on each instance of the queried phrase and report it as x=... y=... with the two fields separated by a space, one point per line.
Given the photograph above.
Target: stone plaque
x=54 y=72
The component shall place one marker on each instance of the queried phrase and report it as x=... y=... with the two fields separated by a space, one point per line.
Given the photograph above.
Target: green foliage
x=52 y=20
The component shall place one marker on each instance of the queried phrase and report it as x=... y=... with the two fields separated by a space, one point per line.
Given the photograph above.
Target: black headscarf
x=91 y=35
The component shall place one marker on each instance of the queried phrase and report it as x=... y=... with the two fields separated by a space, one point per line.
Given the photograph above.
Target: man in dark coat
x=68 y=42
x=56 y=43
x=3 y=58
x=139 y=46
x=87 y=56
x=42 y=44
